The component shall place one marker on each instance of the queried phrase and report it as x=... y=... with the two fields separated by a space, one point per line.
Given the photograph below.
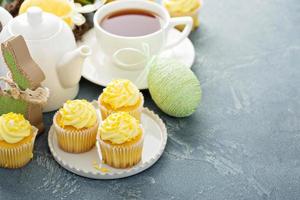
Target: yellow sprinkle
x=98 y=167
x=104 y=170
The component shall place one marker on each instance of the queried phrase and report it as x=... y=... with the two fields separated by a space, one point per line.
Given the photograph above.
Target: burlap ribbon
x=38 y=96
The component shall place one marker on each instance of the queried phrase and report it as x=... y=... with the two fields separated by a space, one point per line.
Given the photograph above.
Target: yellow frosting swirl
x=14 y=128
x=119 y=128
x=182 y=6
x=78 y=114
x=120 y=93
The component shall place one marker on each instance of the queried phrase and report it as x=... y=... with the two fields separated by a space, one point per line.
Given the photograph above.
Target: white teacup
x=132 y=53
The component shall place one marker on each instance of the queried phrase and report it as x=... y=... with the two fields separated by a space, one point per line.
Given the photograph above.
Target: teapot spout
x=70 y=66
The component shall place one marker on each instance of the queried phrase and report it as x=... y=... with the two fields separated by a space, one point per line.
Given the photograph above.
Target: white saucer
x=96 y=70
x=83 y=164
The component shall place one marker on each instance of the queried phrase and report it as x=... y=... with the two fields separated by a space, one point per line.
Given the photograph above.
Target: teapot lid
x=35 y=24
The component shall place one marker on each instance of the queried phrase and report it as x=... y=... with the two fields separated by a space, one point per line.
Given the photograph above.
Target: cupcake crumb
x=104 y=170
x=98 y=167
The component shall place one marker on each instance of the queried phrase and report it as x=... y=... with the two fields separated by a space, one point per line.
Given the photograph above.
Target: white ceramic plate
x=83 y=164
x=96 y=70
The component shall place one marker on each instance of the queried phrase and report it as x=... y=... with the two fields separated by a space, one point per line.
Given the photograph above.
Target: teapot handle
x=5 y=17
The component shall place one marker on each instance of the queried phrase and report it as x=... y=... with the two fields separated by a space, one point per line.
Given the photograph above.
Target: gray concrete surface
x=242 y=143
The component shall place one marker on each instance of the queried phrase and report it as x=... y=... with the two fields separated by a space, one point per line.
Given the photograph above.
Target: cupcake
x=76 y=126
x=121 y=140
x=121 y=96
x=17 y=138
x=180 y=8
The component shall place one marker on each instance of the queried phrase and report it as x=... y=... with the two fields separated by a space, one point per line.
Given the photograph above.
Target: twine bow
x=149 y=60
x=37 y=96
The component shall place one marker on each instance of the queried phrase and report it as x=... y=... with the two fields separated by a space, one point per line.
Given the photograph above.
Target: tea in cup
x=129 y=32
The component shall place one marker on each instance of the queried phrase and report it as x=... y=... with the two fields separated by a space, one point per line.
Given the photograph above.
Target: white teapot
x=52 y=45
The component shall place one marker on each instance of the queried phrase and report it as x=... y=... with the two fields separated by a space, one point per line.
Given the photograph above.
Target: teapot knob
x=34 y=16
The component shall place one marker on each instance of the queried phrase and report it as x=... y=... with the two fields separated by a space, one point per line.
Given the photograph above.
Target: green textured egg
x=174 y=87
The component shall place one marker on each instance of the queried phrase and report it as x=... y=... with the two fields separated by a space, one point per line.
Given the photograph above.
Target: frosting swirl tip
x=119 y=128
x=14 y=128
x=78 y=113
x=120 y=93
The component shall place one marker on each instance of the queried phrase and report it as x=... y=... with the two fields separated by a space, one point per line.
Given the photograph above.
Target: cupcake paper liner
x=75 y=141
x=136 y=113
x=19 y=156
x=121 y=156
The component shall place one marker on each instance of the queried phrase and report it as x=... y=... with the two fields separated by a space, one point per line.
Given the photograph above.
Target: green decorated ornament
x=174 y=87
